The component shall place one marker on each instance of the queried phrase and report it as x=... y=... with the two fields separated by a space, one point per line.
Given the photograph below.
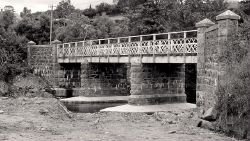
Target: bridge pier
x=84 y=77
x=157 y=83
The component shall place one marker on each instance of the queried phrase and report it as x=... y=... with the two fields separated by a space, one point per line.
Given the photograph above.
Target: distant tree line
x=138 y=17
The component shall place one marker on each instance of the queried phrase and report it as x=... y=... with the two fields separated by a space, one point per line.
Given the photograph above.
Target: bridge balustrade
x=184 y=42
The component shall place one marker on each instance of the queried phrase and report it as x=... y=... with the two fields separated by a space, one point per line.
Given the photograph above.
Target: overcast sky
x=43 y=5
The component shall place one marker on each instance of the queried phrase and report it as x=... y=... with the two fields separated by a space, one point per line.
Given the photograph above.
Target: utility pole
x=51 y=24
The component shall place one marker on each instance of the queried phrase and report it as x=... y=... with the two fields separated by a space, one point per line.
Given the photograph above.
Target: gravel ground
x=43 y=119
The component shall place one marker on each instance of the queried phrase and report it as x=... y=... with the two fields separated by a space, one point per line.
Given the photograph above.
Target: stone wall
x=105 y=79
x=157 y=83
x=212 y=39
x=43 y=60
x=207 y=76
x=161 y=79
x=68 y=75
x=40 y=59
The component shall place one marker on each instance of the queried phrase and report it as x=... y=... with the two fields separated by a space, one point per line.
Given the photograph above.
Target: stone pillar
x=202 y=26
x=128 y=67
x=136 y=79
x=56 y=66
x=84 y=78
x=30 y=44
x=181 y=87
x=128 y=77
x=227 y=28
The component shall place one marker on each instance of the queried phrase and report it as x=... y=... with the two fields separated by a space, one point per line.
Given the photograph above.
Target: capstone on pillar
x=201 y=27
x=228 y=25
x=227 y=29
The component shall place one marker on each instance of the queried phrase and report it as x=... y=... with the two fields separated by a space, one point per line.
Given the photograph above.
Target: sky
x=43 y=5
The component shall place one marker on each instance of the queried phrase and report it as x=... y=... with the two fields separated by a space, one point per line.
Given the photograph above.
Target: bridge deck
x=172 y=47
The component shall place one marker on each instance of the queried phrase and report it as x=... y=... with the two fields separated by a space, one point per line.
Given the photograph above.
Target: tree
x=12 y=48
x=103 y=25
x=131 y=4
x=104 y=7
x=146 y=19
x=245 y=6
x=35 y=29
x=155 y=16
x=64 y=9
x=121 y=29
x=26 y=12
x=90 y=12
x=7 y=19
x=76 y=28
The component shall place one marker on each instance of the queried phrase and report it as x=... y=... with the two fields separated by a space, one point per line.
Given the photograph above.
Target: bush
x=234 y=90
x=12 y=49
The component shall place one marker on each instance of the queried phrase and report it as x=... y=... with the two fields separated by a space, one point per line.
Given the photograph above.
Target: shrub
x=234 y=90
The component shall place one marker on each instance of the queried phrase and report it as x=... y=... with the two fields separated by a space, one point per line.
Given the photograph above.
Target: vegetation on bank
x=234 y=90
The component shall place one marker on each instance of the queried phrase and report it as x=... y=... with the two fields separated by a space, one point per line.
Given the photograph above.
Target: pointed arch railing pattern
x=184 y=42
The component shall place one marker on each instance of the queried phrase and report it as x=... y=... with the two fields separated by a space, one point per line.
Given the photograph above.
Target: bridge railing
x=184 y=42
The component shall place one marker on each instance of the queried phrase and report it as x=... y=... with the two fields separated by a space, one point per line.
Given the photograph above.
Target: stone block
x=135 y=92
x=173 y=90
x=136 y=75
x=210 y=114
x=136 y=69
x=206 y=125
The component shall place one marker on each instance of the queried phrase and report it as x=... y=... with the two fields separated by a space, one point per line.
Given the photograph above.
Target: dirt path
x=41 y=119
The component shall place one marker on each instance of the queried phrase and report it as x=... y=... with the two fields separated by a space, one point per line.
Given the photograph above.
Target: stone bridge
x=150 y=69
